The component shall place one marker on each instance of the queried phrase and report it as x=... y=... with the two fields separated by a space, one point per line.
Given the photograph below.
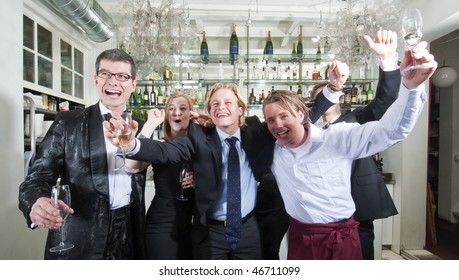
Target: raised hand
x=338 y=73
x=413 y=78
x=154 y=118
x=117 y=122
x=384 y=44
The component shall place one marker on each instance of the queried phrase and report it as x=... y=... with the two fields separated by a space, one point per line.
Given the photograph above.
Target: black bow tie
x=107 y=116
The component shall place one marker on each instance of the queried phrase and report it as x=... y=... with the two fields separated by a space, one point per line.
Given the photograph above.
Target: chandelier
x=357 y=18
x=156 y=34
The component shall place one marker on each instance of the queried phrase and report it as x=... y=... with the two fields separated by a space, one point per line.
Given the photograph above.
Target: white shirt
x=314 y=178
x=119 y=182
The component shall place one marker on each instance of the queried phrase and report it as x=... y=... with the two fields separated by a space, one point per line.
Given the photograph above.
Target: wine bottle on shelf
x=369 y=93
x=234 y=44
x=153 y=96
x=294 y=49
x=138 y=98
x=204 y=49
x=294 y=72
x=299 y=46
x=160 y=97
x=166 y=73
x=146 y=96
x=269 y=45
x=318 y=52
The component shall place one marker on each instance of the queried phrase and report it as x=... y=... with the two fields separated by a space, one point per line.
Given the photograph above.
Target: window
x=44 y=53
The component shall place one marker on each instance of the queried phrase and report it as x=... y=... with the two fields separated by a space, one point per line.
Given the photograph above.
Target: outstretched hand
x=419 y=54
x=384 y=44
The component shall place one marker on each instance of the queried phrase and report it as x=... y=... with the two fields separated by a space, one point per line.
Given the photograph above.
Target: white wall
x=17 y=242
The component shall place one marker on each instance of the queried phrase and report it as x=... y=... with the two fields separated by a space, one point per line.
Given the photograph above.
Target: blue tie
x=233 y=207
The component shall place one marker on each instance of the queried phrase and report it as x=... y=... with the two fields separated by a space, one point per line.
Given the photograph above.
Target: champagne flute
x=123 y=136
x=412 y=33
x=184 y=172
x=60 y=197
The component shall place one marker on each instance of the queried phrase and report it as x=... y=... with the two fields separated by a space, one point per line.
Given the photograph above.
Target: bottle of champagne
x=294 y=50
x=160 y=97
x=204 y=49
x=269 y=45
x=166 y=73
x=153 y=96
x=299 y=46
x=132 y=99
x=234 y=44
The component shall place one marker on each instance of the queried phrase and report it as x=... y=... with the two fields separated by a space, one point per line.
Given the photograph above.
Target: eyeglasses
x=119 y=76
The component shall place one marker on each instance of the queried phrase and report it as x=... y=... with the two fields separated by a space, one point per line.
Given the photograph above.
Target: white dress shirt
x=314 y=178
x=119 y=182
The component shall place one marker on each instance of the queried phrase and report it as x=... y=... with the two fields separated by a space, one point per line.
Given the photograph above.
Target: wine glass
x=412 y=32
x=60 y=198
x=123 y=135
x=184 y=172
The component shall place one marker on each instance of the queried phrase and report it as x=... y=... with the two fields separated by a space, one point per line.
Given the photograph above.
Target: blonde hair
x=167 y=134
x=288 y=100
x=234 y=89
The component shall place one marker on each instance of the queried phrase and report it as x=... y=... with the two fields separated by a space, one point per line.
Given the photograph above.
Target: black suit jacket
x=74 y=149
x=371 y=197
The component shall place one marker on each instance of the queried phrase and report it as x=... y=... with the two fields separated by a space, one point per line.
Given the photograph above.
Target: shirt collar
x=222 y=135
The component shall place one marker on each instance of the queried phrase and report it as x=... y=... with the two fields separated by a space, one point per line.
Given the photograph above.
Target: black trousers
x=120 y=245
x=367 y=237
x=215 y=247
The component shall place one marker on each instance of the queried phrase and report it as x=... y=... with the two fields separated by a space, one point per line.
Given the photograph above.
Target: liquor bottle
x=315 y=73
x=294 y=49
x=318 y=53
x=262 y=97
x=204 y=49
x=269 y=49
x=234 y=44
x=160 y=97
x=167 y=93
x=188 y=72
x=146 y=96
x=299 y=46
x=153 y=96
x=279 y=70
x=221 y=71
x=299 y=92
x=369 y=93
x=354 y=94
x=252 y=98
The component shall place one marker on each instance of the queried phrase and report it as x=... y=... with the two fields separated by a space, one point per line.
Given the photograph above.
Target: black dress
x=168 y=220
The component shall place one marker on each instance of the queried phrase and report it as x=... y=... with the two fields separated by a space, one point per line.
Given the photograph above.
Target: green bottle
x=204 y=49
x=269 y=45
x=369 y=93
x=159 y=97
x=234 y=44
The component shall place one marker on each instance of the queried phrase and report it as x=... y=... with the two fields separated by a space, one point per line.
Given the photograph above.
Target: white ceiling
x=283 y=17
